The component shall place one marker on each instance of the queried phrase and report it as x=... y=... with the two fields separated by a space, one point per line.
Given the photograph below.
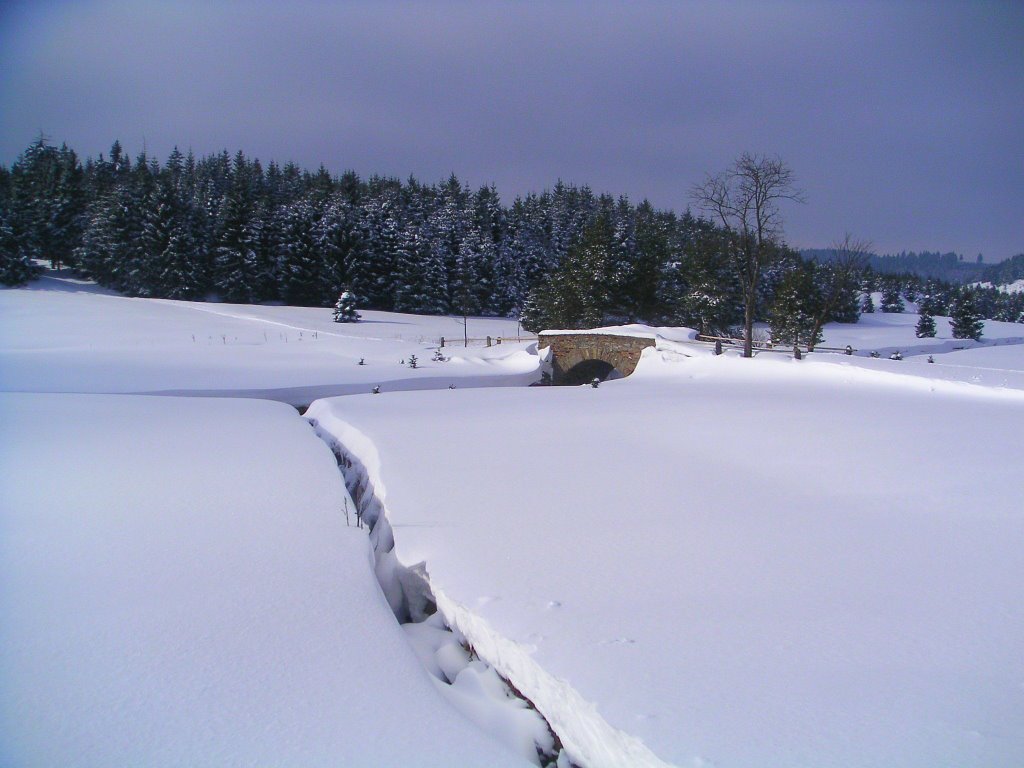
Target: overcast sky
x=903 y=121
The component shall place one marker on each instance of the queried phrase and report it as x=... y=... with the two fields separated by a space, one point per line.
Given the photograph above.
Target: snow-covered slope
x=180 y=588
x=63 y=335
x=753 y=563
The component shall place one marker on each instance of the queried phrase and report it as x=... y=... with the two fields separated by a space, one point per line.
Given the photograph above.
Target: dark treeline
x=225 y=227
x=950 y=267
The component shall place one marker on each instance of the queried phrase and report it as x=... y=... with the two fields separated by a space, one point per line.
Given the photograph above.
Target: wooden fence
x=487 y=341
x=767 y=346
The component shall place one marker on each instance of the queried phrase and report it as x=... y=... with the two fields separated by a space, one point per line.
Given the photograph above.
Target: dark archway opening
x=587 y=371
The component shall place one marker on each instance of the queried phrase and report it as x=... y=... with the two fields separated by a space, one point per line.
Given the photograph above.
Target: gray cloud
x=903 y=121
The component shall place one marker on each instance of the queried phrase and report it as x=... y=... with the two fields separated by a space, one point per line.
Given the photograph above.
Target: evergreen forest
x=226 y=228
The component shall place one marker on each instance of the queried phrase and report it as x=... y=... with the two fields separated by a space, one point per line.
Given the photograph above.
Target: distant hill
x=951 y=267
x=1006 y=272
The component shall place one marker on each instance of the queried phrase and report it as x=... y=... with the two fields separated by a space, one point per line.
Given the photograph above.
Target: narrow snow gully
x=490 y=679
x=468 y=682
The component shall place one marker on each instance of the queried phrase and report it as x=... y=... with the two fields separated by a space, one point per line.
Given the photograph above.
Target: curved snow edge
x=587 y=737
x=588 y=740
x=470 y=685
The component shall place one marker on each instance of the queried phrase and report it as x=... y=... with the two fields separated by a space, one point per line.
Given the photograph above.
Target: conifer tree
x=16 y=267
x=576 y=296
x=301 y=263
x=421 y=279
x=173 y=268
x=925 y=328
x=965 y=318
x=345 y=308
x=891 y=299
x=795 y=307
x=236 y=262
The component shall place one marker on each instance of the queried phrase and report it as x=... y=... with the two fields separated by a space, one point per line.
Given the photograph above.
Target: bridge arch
x=587 y=370
x=580 y=357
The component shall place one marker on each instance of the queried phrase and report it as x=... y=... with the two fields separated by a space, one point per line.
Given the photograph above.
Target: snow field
x=761 y=562
x=180 y=588
x=750 y=563
x=63 y=335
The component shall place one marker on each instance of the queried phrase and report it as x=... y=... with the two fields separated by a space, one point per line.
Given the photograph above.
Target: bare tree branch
x=745 y=199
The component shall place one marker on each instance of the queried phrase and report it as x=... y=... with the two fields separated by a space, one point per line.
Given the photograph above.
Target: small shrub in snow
x=413 y=362
x=897 y=355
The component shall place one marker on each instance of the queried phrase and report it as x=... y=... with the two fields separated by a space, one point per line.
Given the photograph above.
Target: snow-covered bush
x=345 y=308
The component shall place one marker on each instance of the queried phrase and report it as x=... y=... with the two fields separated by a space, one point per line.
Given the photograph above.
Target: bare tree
x=838 y=280
x=745 y=201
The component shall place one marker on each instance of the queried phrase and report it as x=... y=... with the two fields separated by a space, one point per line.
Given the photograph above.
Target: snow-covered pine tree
x=891 y=300
x=792 y=313
x=867 y=305
x=622 y=258
x=965 y=318
x=925 y=328
x=236 y=262
x=421 y=281
x=652 y=242
x=371 y=269
x=301 y=263
x=576 y=295
x=16 y=267
x=340 y=239
x=345 y=308
x=48 y=201
x=173 y=267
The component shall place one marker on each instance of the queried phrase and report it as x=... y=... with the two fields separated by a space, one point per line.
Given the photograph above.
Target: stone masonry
x=570 y=349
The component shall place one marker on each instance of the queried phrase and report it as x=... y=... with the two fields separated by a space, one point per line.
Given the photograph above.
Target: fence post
x=442 y=342
x=488 y=341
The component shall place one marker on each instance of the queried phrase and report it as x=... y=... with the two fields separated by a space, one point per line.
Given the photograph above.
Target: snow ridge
x=468 y=682
x=587 y=737
x=579 y=736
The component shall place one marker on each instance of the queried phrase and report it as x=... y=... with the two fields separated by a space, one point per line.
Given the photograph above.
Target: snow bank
x=180 y=588
x=637 y=330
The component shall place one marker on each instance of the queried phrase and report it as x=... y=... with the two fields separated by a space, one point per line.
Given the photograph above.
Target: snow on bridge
x=580 y=356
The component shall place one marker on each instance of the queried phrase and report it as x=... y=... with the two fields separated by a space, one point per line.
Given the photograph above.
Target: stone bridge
x=578 y=357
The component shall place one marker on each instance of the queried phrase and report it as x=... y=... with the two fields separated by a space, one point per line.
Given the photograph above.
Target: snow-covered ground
x=66 y=335
x=767 y=562
x=753 y=563
x=887 y=333
x=180 y=588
